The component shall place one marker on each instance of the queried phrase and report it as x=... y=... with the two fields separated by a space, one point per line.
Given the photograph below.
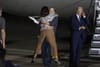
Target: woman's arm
x=44 y=21
x=35 y=21
x=51 y=17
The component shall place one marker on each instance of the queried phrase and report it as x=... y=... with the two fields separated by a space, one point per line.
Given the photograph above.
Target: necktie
x=79 y=19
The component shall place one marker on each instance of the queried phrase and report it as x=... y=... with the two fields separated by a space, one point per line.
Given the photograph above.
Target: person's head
x=80 y=10
x=44 y=11
x=52 y=11
x=0 y=11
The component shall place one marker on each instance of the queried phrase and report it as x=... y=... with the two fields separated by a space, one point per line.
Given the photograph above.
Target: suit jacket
x=75 y=27
x=54 y=23
x=76 y=23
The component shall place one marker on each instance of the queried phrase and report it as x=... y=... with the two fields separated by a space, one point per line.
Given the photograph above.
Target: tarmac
x=21 y=41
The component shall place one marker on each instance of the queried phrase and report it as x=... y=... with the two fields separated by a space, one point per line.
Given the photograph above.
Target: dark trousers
x=46 y=53
x=2 y=56
x=9 y=64
x=1 y=46
x=75 y=49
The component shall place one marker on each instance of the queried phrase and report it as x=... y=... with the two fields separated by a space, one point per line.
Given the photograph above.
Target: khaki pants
x=50 y=36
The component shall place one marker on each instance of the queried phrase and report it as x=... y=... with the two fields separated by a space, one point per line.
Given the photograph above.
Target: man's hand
x=84 y=15
x=82 y=28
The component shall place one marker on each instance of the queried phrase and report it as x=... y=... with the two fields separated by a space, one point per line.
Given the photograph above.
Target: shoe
x=57 y=61
x=32 y=61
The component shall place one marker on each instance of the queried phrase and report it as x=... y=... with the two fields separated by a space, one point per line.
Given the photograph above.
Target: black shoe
x=32 y=61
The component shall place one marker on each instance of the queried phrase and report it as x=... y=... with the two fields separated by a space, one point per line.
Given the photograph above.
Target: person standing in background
x=2 y=29
x=3 y=61
x=79 y=31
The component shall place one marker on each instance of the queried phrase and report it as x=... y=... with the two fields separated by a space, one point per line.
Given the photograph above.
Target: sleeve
x=35 y=21
x=74 y=25
x=86 y=21
x=54 y=23
x=51 y=17
x=3 y=24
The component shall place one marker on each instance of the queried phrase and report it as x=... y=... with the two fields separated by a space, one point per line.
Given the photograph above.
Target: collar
x=77 y=15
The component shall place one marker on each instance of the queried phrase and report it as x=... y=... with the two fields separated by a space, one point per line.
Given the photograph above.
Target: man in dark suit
x=79 y=27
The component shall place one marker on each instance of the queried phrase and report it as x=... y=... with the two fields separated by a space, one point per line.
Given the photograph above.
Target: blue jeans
x=46 y=53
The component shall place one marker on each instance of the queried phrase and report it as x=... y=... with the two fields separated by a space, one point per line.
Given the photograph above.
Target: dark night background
x=22 y=36
x=22 y=32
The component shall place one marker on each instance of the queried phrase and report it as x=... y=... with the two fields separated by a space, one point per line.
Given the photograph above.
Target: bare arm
x=35 y=21
x=51 y=17
x=3 y=36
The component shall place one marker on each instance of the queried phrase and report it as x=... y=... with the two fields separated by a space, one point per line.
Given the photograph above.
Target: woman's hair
x=44 y=11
